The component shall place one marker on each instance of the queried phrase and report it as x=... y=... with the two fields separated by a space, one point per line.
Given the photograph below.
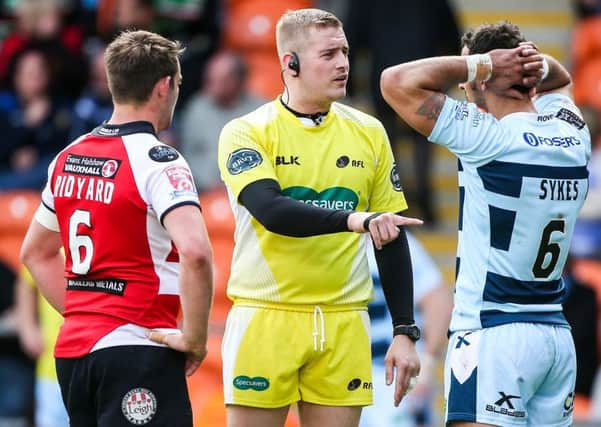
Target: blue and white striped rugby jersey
x=522 y=182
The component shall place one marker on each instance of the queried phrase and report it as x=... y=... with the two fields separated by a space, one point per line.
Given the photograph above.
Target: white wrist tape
x=471 y=61
x=479 y=67
x=545 y=69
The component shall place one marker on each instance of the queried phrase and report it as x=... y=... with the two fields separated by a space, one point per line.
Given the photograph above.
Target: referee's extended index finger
x=403 y=220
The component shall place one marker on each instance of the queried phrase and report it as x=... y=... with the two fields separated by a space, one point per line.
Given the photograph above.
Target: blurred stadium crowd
x=53 y=88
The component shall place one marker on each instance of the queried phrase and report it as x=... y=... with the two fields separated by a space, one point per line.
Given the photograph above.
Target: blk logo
x=506 y=398
x=286 y=160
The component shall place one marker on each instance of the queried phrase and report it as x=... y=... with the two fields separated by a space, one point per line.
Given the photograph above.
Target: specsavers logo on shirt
x=338 y=198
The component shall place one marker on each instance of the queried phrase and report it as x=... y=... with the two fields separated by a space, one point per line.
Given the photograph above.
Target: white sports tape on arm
x=479 y=67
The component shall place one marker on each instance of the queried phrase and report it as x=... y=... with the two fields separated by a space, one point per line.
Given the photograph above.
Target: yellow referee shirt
x=345 y=163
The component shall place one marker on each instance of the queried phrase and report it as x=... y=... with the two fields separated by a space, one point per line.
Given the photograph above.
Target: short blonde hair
x=293 y=26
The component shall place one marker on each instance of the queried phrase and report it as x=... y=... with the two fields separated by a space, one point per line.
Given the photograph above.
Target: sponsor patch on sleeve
x=395 y=179
x=163 y=153
x=462 y=110
x=242 y=160
x=181 y=180
x=570 y=117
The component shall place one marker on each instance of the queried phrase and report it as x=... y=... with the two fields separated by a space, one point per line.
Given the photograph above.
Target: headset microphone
x=294 y=64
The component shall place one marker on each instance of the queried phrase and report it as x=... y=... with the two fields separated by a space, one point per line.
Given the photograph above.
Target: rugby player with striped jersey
x=522 y=149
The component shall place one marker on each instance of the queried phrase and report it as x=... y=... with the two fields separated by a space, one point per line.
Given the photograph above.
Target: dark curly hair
x=486 y=37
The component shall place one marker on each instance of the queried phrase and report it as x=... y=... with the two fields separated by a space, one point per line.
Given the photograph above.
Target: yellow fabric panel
x=345 y=163
x=272 y=357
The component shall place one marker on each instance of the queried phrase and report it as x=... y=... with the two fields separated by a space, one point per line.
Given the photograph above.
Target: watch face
x=415 y=333
x=412 y=331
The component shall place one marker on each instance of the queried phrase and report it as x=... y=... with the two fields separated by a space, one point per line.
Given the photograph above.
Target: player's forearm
x=189 y=234
x=436 y=307
x=415 y=90
x=284 y=215
x=436 y=74
x=196 y=288
x=557 y=77
x=40 y=253
x=26 y=305
x=396 y=276
x=47 y=272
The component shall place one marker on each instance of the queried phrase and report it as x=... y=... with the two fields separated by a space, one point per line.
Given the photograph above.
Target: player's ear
x=163 y=85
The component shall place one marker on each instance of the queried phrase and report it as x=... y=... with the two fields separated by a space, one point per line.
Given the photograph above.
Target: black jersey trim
x=177 y=205
x=122 y=129
x=48 y=207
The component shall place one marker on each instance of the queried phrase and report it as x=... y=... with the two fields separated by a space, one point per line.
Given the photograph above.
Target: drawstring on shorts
x=317 y=312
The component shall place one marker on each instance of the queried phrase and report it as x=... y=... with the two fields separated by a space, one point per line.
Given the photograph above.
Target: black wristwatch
x=412 y=331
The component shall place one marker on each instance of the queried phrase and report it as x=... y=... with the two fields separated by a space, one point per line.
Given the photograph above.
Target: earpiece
x=294 y=64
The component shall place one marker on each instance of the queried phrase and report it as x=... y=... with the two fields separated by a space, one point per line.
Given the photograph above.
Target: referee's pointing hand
x=383 y=227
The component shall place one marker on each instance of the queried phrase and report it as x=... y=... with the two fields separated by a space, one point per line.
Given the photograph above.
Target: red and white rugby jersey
x=108 y=192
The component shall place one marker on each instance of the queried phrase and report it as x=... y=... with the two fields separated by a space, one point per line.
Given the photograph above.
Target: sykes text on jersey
x=558 y=189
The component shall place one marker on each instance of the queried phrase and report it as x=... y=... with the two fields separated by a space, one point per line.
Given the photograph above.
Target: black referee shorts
x=125 y=386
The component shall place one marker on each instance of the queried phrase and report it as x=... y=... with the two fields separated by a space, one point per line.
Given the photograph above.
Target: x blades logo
x=506 y=398
x=510 y=411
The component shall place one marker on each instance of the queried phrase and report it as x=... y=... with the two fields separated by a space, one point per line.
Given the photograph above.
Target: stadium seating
x=250 y=30
x=17 y=209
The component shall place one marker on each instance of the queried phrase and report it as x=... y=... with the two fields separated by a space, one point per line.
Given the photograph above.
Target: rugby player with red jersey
x=125 y=208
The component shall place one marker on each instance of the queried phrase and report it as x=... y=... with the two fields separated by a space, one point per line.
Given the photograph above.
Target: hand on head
x=516 y=72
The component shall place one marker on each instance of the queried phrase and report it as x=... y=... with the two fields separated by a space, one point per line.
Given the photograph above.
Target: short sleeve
x=387 y=194
x=471 y=134
x=562 y=107
x=169 y=186
x=242 y=158
x=46 y=213
x=426 y=275
x=551 y=103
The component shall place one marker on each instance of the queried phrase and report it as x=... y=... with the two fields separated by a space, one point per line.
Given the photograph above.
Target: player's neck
x=125 y=113
x=501 y=107
x=305 y=106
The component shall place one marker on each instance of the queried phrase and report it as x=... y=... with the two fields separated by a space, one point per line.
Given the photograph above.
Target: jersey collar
x=123 y=129
x=309 y=120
